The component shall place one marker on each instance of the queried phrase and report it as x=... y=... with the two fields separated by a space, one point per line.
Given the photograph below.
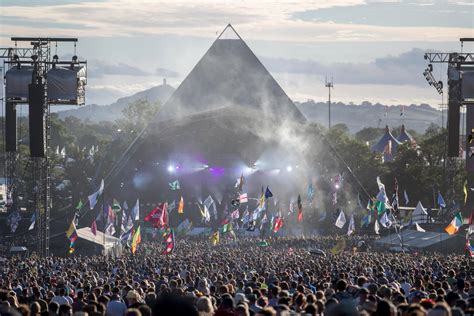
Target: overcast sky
x=373 y=49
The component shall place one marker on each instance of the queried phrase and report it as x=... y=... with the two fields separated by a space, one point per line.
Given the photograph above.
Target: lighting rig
x=32 y=76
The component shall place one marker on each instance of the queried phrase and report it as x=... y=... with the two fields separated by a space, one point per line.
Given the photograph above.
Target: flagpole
x=105 y=221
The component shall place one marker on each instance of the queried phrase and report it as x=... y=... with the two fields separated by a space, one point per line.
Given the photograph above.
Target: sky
x=373 y=50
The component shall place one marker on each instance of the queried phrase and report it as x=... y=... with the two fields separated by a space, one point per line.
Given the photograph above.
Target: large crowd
x=247 y=277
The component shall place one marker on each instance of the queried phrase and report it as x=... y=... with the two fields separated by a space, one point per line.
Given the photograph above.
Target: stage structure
x=35 y=77
x=229 y=116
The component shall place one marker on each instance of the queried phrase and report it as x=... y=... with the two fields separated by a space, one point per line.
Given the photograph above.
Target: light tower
x=329 y=85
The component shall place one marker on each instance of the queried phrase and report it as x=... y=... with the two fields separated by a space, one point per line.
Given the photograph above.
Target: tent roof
x=419 y=214
x=405 y=136
x=380 y=145
x=229 y=75
x=86 y=233
x=414 y=239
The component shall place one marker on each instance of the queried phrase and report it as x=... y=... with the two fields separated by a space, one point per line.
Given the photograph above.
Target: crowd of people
x=246 y=277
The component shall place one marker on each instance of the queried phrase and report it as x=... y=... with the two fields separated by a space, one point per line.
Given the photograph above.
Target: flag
x=365 y=221
x=385 y=221
x=135 y=212
x=124 y=237
x=376 y=227
x=406 y=197
x=158 y=216
x=278 y=224
x=171 y=206
x=418 y=228
x=136 y=240
x=310 y=193
x=261 y=204
x=116 y=206
x=240 y=183
x=341 y=220
x=455 y=224
x=181 y=206
x=127 y=223
x=359 y=202
x=174 y=185
x=215 y=238
x=94 y=228
x=381 y=202
x=395 y=196
x=339 y=247
x=235 y=214
x=351 y=228
x=441 y=202
x=71 y=234
x=110 y=229
x=227 y=227
x=380 y=184
x=268 y=193
x=243 y=198
x=300 y=209
x=79 y=205
x=206 y=216
x=33 y=220
x=210 y=204
x=169 y=242
x=465 y=192
x=125 y=205
x=93 y=197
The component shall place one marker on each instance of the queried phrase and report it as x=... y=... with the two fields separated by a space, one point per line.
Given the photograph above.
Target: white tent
x=419 y=214
x=110 y=244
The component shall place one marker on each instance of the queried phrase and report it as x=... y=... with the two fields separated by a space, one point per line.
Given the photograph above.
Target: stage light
x=289 y=168
x=170 y=168
x=337 y=186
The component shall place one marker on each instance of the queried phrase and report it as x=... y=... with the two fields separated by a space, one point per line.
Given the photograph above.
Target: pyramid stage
x=228 y=117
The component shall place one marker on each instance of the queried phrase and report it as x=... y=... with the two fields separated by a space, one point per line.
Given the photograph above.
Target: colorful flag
x=441 y=202
x=235 y=214
x=465 y=192
x=158 y=216
x=206 y=216
x=135 y=212
x=455 y=224
x=136 y=240
x=174 y=185
x=469 y=248
x=33 y=220
x=243 y=198
x=169 y=242
x=215 y=238
x=116 y=206
x=181 y=206
x=71 y=234
x=93 y=197
x=261 y=204
x=79 y=205
x=339 y=247
x=385 y=221
x=278 y=224
x=226 y=227
x=351 y=227
x=94 y=228
x=300 y=209
x=268 y=193
x=341 y=220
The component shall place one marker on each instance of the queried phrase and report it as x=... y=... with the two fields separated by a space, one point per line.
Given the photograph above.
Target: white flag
x=93 y=197
x=135 y=213
x=376 y=227
x=341 y=220
x=243 y=198
x=351 y=227
x=33 y=221
x=406 y=197
x=380 y=184
x=418 y=228
x=385 y=221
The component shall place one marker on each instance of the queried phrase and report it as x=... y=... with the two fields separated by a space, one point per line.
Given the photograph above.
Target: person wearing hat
x=133 y=299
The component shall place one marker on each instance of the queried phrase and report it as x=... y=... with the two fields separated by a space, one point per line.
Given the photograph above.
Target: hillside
x=356 y=117
x=112 y=112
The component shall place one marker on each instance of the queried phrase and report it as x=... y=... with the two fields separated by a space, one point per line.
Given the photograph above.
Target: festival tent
x=405 y=136
x=90 y=244
x=386 y=145
x=423 y=241
x=419 y=214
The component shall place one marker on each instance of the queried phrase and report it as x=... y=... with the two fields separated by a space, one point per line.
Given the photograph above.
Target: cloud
x=261 y=20
x=163 y=72
x=403 y=69
x=99 y=68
